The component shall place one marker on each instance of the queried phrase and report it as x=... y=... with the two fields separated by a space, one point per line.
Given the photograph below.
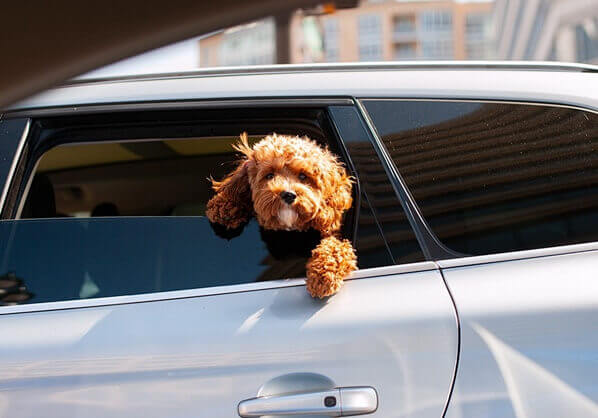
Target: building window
x=436 y=34
x=370 y=38
x=437 y=49
x=476 y=28
x=403 y=29
x=331 y=38
x=404 y=51
x=436 y=21
x=404 y=24
x=251 y=44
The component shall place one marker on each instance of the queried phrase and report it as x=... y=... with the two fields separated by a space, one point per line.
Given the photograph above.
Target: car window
x=127 y=216
x=496 y=177
x=47 y=260
x=386 y=209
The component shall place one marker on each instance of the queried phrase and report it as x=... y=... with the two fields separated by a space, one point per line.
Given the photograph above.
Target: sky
x=181 y=56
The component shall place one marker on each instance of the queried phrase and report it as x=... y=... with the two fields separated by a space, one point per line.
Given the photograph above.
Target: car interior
x=153 y=175
x=129 y=178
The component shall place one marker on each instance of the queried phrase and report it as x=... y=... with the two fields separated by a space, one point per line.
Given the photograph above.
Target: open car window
x=111 y=208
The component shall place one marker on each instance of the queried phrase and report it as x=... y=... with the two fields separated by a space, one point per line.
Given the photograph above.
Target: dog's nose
x=288 y=197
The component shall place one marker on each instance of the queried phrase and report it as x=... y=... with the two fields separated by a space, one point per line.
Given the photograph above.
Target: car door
x=513 y=185
x=390 y=334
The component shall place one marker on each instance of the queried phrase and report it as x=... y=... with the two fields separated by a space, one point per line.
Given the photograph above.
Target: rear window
x=496 y=177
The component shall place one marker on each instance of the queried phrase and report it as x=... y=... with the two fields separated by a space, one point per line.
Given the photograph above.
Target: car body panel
x=529 y=336
x=200 y=356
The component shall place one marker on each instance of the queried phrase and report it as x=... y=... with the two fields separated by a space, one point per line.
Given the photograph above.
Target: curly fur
x=331 y=261
x=321 y=187
x=231 y=205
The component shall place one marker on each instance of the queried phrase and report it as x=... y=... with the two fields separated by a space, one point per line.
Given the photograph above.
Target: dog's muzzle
x=287 y=217
x=288 y=197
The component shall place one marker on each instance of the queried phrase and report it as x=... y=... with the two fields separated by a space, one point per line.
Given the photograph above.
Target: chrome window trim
x=207 y=291
x=490 y=101
x=13 y=166
x=180 y=105
x=351 y=66
x=21 y=203
x=517 y=255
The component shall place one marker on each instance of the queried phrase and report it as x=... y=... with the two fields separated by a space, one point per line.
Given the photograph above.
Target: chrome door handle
x=338 y=402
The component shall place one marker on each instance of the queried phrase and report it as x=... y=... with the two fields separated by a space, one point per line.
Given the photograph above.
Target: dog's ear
x=338 y=199
x=232 y=206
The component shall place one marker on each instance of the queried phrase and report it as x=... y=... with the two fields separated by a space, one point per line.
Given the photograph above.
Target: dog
x=290 y=183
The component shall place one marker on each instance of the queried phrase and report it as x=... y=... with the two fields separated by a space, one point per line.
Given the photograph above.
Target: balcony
x=404 y=29
x=404 y=35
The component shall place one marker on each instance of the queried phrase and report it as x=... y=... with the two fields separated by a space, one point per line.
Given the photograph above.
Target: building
x=374 y=31
x=385 y=31
x=250 y=44
x=554 y=30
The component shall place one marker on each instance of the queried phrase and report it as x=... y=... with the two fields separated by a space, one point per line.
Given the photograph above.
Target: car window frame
x=15 y=142
x=16 y=187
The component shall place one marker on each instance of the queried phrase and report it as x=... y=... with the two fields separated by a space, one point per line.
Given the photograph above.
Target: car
x=475 y=224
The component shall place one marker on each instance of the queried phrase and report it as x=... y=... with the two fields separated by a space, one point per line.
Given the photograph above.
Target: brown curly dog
x=291 y=183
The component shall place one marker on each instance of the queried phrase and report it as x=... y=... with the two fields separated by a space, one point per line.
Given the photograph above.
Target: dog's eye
x=269 y=176
x=302 y=176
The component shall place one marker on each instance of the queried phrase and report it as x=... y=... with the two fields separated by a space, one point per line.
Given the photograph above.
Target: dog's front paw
x=225 y=232
x=330 y=263
x=221 y=211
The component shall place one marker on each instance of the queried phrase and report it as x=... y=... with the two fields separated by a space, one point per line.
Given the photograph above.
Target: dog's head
x=289 y=183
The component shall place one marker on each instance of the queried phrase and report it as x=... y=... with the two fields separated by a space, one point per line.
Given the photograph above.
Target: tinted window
x=48 y=259
x=491 y=177
x=379 y=194
x=11 y=131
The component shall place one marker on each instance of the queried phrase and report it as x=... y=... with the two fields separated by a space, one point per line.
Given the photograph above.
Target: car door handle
x=337 y=402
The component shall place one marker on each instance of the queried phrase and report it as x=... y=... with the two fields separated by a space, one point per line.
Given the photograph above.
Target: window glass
x=370 y=38
x=331 y=39
x=386 y=211
x=492 y=177
x=45 y=260
x=436 y=34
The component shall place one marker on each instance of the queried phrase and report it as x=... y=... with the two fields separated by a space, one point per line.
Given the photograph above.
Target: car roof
x=568 y=84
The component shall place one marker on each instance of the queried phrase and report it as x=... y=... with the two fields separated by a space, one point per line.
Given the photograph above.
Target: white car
x=475 y=223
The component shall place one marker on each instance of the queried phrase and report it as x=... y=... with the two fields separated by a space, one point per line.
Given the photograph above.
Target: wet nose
x=288 y=197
